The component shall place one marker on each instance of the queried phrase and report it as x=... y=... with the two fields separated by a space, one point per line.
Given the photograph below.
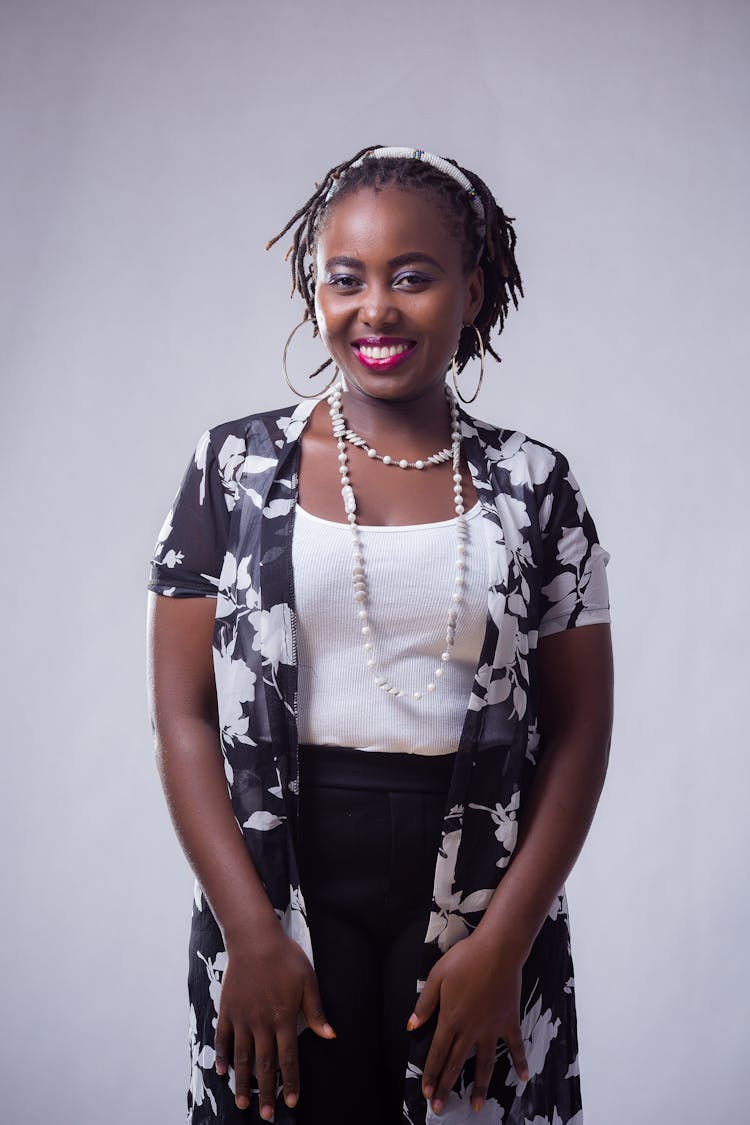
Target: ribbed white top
x=410 y=572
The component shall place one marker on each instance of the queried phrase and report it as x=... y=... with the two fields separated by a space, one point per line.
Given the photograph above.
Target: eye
x=411 y=280
x=343 y=281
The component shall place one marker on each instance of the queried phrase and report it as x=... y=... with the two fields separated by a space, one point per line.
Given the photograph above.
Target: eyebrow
x=402 y=260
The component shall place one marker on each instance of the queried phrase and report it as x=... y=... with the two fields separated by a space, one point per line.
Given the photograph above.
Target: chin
x=392 y=384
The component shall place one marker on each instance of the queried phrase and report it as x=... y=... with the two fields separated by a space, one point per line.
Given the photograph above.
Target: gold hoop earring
x=454 y=367
x=294 y=390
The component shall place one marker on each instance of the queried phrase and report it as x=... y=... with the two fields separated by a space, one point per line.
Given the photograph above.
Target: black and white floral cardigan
x=229 y=535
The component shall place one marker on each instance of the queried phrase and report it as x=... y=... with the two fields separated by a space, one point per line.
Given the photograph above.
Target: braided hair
x=491 y=247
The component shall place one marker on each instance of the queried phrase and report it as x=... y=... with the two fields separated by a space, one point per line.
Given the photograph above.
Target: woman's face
x=391 y=293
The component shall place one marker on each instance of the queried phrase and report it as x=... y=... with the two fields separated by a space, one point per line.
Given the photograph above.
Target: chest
x=385 y=494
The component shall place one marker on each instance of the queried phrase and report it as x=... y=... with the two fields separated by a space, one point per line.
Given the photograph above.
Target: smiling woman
x=381 y=689
x=396 y=312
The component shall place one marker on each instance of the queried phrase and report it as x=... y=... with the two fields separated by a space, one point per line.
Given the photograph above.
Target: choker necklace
x=361 y=594
x=424 y=463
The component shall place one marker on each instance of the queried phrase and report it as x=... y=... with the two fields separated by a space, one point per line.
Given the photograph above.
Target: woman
x=383 y=742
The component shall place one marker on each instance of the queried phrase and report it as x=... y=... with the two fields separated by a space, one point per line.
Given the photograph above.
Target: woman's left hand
x=478 y=993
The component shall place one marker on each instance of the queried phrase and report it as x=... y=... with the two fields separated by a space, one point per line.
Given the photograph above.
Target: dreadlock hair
x=492 y=248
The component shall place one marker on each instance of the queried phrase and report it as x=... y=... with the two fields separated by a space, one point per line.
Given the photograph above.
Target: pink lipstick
x=382 y=353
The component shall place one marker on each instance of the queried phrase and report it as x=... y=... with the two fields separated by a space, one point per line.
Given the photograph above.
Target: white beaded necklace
x=359 y=577
x=423 y=463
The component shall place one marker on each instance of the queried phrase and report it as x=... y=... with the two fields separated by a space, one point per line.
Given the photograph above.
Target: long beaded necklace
x=359 y=577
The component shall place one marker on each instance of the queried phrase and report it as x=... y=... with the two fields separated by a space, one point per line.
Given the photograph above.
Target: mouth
x=381 y=353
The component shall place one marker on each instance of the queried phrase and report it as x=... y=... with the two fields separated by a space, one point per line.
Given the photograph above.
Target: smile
x=382 y=353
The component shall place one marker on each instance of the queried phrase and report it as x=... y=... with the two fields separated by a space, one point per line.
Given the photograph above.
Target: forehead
x=384 y=223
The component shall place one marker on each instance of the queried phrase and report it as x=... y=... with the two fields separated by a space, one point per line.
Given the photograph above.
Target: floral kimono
x=229 y=536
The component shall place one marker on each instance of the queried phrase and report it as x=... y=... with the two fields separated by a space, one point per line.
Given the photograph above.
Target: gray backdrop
x=149 y=149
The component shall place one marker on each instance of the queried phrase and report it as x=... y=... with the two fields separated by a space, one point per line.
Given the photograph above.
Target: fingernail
x=267 y=1113
x=242 y=1102
x=477 y=1105
x=328 y=1030
x=437 y=1106
x=412 y=1022
x=291 y=1100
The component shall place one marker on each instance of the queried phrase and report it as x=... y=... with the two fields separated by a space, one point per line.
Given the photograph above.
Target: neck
x=422 y=422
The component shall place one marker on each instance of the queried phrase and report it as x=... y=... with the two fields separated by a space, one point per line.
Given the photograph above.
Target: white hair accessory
x=438 y=162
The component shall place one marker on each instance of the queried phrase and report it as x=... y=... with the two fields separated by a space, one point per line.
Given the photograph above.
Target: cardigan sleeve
x=574 y=582
x=189 y=552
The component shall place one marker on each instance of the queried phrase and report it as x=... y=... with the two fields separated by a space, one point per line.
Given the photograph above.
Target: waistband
x=341 y=767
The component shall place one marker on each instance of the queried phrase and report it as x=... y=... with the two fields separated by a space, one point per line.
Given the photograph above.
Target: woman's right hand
x=268 y=979
x=265 y=986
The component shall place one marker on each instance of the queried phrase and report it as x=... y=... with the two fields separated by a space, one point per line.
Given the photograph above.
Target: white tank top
x=410 y=572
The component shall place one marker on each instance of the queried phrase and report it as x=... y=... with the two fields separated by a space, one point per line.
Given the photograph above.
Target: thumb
x=312 y=1006
x=426 y=1002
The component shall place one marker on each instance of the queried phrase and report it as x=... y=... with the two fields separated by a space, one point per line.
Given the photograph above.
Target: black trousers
x=369 y=829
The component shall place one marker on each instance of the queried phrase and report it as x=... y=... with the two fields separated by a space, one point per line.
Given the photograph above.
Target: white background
x=149 y=148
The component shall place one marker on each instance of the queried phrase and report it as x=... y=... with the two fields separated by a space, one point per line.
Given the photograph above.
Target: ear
x=474 y=294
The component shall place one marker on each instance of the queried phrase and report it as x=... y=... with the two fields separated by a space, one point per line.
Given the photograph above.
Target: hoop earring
x=294 y=390
x=454 y=367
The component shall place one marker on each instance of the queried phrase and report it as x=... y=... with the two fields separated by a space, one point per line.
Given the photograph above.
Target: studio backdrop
x=149 y=150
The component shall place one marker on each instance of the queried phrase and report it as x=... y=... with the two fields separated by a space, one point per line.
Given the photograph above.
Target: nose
x=377 y=309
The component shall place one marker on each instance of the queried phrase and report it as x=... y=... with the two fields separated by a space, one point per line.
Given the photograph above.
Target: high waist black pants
x=370 y=826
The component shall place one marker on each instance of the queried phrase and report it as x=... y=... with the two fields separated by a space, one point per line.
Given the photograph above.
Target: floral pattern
x=229 y=536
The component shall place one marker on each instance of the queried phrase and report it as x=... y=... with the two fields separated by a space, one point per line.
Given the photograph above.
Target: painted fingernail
x=412 y=1022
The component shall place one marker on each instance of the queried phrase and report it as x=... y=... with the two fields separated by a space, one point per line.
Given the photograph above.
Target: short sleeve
x=189 y=552
x=574 y=583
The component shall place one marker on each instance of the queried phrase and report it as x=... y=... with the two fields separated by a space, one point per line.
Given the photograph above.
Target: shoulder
x=263 y=434
x=276 y=425
x=516 y=458
x=250 y=444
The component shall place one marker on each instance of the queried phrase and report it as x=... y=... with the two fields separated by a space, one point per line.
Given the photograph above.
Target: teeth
x=382 y=352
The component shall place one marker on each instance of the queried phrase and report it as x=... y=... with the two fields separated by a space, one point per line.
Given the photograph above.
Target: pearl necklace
x=434 y=459
x=361 y=596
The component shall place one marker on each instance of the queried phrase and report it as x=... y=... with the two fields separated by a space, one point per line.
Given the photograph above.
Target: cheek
x=442 y=317
x=325 y=305
x=329 y=329
x=326 y=320
x=320 y=315
x=331 y=314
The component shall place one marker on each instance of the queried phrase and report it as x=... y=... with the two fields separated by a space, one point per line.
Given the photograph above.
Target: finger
x=286 y=1045
x=312 y=1006
x=518 y=1053
x=427 y=1002
x=265 y=1068
x=484 y=1064
x=243 y=1065
x=222 y=1044
x=455 y=1060
x=442 y=1041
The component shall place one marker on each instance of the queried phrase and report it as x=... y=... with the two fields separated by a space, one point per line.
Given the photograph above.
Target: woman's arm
x=268 y=977
x=477 y=983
